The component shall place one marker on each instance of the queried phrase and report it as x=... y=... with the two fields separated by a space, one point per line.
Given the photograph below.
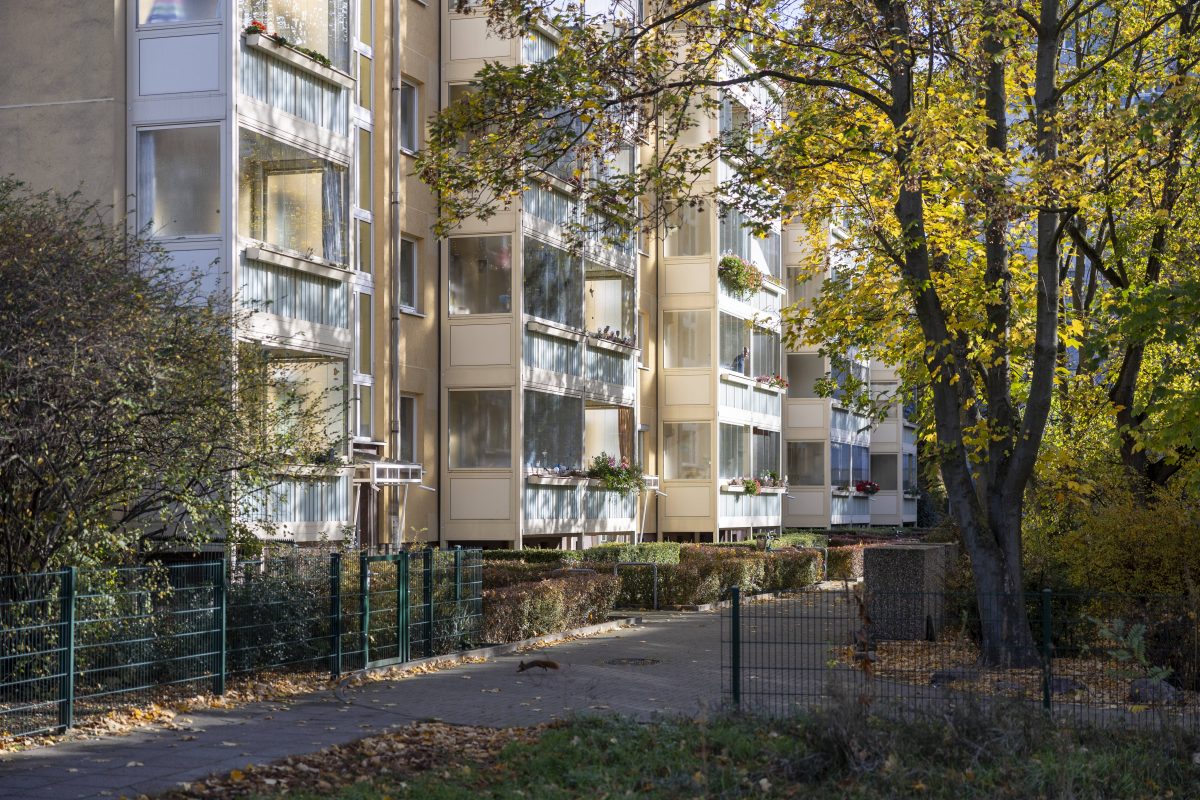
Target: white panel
x=688 y=277
x=172 y=64
x=480 y=498
x=480 y=345
x=688 y=501
x=202 y=265
x=885 y=433
x=470 y=38
x=688 y=390
x=885 y=503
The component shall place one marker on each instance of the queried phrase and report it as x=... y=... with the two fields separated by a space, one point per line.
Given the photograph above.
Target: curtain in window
x=625 y=432
x=145 y=178
x=333 y=233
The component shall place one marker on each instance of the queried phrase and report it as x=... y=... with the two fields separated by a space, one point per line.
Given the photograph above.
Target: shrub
x=654 y=552
x=801 y=539
x=846 y=563
x=506 y=573
x=791 y=569
x=616 y=476
x=532 y=555
x=524 y=610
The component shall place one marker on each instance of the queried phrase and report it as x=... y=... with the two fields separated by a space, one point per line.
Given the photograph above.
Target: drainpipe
x=437 y=306
x=393 y=142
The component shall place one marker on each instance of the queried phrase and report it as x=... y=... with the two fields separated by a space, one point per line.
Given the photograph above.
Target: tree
x=953 y=137
x=129 y=415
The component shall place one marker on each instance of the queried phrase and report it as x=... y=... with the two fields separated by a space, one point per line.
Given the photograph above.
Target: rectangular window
x=365 y=157
x=480 y=273
x=883 y=471
x=553 y=430
x=735 y=344
x=687 y=451
x=803 y=372
x=642 y=341
x=366 y=22
x=732 y=451
x=319 y=381
x=688 y=232
x=687 y=339
x=806 y=463
x=548 y=205
x=321 y=25
x=162 y=12
x=764 y=352
x=553 y=283
x=291 y=199
x=407 y=414
x=366 y=245
x=366 y=84
x=765 y=451
x=608 y=303
x=609 y=430
x=366 y=409
x=839 y=463
x=861 y=457
x=480 y=429
x=409 y=118
x=365 y=330
x=910 y=472
x=537 y=47
x=408 y=274
x=179 y=181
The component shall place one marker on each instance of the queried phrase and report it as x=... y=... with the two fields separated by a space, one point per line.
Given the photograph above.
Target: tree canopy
x=1016 y=177
x=129 y=416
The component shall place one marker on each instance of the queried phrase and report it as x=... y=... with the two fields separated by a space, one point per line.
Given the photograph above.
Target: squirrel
x=543 y=663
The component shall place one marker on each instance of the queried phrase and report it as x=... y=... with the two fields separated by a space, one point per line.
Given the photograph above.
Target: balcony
x=555 y=505
x=746 y=397
x=737 y=509
x=560 y=358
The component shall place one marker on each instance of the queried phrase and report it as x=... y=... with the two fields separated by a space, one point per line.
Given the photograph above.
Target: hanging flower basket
x=740 y=277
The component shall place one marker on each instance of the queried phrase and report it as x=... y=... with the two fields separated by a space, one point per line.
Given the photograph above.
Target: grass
x=846 y=755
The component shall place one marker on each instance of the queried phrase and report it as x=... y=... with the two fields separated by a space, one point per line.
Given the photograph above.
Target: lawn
x=846 y=755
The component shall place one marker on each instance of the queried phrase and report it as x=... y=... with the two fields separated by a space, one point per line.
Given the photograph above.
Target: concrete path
x=671 y=665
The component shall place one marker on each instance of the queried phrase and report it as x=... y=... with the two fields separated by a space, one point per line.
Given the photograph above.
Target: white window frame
x=410 y=111
x=414 y=271
x=408 y=429
x=223 y=187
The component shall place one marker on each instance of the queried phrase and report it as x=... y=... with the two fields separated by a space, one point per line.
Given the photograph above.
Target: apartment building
x=268 y=145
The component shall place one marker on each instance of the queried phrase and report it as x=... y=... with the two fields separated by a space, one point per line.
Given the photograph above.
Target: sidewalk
x=671 y=664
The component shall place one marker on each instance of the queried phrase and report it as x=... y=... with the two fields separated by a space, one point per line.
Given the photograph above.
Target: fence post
x=364 y=606
x=335 y=615
x=735 y=637
x=457 y=575
x=66 y=654
x=402 y=607
x=220 y=590
x=427 y=592
x=1047 y=648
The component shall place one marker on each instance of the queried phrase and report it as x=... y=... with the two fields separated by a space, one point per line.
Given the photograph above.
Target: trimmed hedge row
x=704 y=572
x=534 y=608
x=532 y=555
x=846 y=563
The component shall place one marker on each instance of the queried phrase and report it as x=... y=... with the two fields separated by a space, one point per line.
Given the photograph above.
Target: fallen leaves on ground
x=406 y=751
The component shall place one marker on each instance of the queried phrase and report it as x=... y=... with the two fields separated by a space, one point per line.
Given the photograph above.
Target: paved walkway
x=680 y=677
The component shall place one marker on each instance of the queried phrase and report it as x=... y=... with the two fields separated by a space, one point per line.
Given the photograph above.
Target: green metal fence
x=76 y=643
x=1113 y=659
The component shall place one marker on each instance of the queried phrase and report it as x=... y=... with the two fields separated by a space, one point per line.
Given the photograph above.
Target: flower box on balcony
x=559 y=480
x=608 y=344
x=556 y=331
x=773 y=490
x=266 y=44
x=737 y=377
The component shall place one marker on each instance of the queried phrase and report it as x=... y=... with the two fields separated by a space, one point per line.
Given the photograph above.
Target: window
x=407 y=415
x=806 y=463
x=735 y=344
x=365 y=330
x=548 y=205
x=553 y=430
x=910 y=472
x=732 y=451
x=366 y=245
x=687 y=451
x=765 y=451
x=687 y=339
x=642 y=341
x=366 y=409
x=538 y=47
x=764 y=352
x=608 y=303
x=365 y=85
x=321 y=25
x=803 y=372
x=480 y=429
x=319 y=380
x=366 y=22
x=409 y=117
x=480 y=275
x=883 y=471
x=861 y=458
x=553 y=284
x=839 y=463
x=179 y=181
x=408 y=274
x=688 y=232
x=159 y=12
x=608 y=429
x=365 y=157
x=291 y=199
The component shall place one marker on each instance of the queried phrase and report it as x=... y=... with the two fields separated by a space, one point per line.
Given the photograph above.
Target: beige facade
x=471 y=376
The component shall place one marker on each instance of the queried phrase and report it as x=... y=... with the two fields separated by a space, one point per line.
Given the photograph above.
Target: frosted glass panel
x=161 y=12
x=687 y=339
x=687 y=451
x=179 y=181
x=480 y=425
x=480 y=275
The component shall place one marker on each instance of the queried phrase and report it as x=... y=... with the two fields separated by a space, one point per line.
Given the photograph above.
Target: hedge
x=532 y=555
x=846 y=563
x=505 y=573
x=801 y=539
x=654 y=552
x=535 y=608
x=704 y=572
